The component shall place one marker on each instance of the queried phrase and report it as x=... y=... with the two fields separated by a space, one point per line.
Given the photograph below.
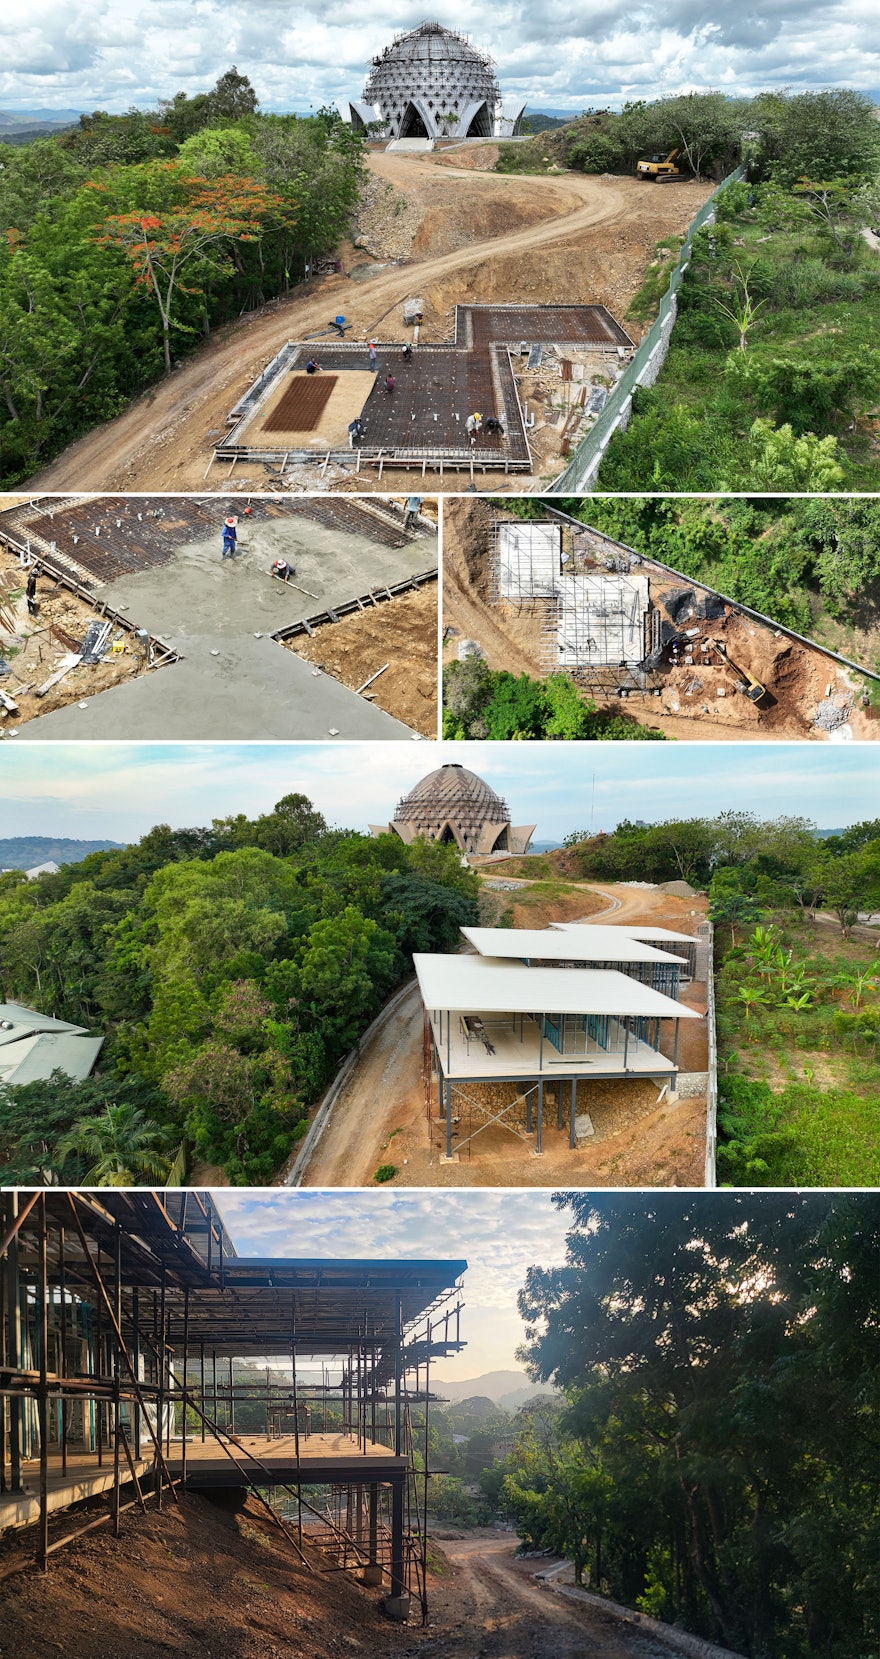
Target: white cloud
x=102 y=55
x=118 y=790
x=500 y=1233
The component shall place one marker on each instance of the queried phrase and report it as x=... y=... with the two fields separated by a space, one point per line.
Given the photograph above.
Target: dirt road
x=374 y=1104
x=584 y=239
x=499 y=1612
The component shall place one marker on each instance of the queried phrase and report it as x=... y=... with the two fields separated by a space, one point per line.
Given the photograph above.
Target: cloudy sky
x=117 y=791
x=111 y=54
x=500 y=1234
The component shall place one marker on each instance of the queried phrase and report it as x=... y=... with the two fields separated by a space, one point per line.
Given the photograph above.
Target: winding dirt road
x=500 y=1613
x=591 y=236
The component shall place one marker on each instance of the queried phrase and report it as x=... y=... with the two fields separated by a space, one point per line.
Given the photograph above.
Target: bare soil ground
x=34 y=647
x=699 y=694
x=401 y=632
x=573 y=238
x=387 y=1114
x=215 y=1580
x=495 y=1608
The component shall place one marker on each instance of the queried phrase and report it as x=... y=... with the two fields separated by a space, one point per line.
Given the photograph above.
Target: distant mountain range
x=25 y=852
x=508 y=1389
x=38 y=117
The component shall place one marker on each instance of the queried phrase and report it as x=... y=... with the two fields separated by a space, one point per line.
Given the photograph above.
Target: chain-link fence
x=580 y=474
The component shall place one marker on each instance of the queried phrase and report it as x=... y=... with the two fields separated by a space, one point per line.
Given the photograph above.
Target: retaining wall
x=580 y=474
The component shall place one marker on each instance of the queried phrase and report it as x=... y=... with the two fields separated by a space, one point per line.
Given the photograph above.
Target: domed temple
x=431 y=83
x=454 y=805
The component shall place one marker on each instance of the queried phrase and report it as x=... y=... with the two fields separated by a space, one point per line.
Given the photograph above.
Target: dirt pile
x=201 y=1579
x=385 y=221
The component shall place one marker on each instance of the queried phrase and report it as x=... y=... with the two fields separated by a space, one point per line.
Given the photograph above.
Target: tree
x=191 y=233
x=781 y=460
x=719 y=1356
x=121 y=1148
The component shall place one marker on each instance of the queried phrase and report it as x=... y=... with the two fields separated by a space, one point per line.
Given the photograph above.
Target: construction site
x=638 y=638
x=507 y=369
x=193 y=617
x=441 y=244
x=566 y=1042
x=124 y=1319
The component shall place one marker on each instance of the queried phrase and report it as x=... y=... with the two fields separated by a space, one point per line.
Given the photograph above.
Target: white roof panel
x=645 y=933
x=498 y=985
x=598 y=944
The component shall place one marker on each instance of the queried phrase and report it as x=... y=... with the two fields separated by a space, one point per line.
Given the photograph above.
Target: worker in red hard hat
x=230 y=537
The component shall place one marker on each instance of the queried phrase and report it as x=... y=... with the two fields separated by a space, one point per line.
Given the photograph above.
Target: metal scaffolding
x=117 y=1312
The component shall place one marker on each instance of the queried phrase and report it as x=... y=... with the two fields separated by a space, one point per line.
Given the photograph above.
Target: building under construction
x=123 y=1317
x=430 y=83
x=290 y=415
x=454 y=806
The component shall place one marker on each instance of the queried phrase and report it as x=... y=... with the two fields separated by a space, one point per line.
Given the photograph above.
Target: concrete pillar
x=572 y=1139
x=539 y=1126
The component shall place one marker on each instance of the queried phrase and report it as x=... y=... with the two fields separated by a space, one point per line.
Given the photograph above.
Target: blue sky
x=111 y=54
x=499 y=1233
x=117 y=791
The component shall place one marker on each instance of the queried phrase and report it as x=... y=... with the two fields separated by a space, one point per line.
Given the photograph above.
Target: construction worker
x=30 y=592
x=283 y=569
x=390 y=383
x=493 y=424
x=407 y=352
x=372 y=354
x=230 y=537
x=355 y=431
x=312 y=365
x=473 y=425
x=413 y=508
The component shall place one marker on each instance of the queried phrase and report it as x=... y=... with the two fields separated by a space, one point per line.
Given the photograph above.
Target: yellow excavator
x=660 y=169
x=754 y=690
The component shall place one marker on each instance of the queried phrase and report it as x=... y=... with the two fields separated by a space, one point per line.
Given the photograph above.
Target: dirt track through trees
x=503 y=1614
x=592 y=241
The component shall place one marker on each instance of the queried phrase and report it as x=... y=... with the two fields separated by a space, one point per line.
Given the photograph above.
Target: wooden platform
x=322 y=1458
x=84 y=1479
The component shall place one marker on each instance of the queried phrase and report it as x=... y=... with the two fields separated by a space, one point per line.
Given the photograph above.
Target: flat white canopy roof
x=496 y=985
x=585 y=944
x=631 y=932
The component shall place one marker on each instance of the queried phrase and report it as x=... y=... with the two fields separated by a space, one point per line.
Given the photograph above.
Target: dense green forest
x=231 y=967
x=798 y=1002
x=792 y=559
x=482 y=702
x=714 y=1462
x=127 y=239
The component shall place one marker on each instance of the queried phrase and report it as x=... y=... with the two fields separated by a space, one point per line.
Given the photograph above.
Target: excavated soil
x=204 y=1579
x=698 y=695
x=400 y=632
x=36 y=646
x=216 y=1580
x=386 y=1113
x=569 y=238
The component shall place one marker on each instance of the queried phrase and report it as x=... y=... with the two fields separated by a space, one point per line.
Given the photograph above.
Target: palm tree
x=122 y=1147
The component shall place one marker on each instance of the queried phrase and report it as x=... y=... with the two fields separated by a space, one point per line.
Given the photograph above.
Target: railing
x=580 y=473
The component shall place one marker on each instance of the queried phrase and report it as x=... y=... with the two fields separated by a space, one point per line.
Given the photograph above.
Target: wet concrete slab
x=200 y=592
x=227 y=687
